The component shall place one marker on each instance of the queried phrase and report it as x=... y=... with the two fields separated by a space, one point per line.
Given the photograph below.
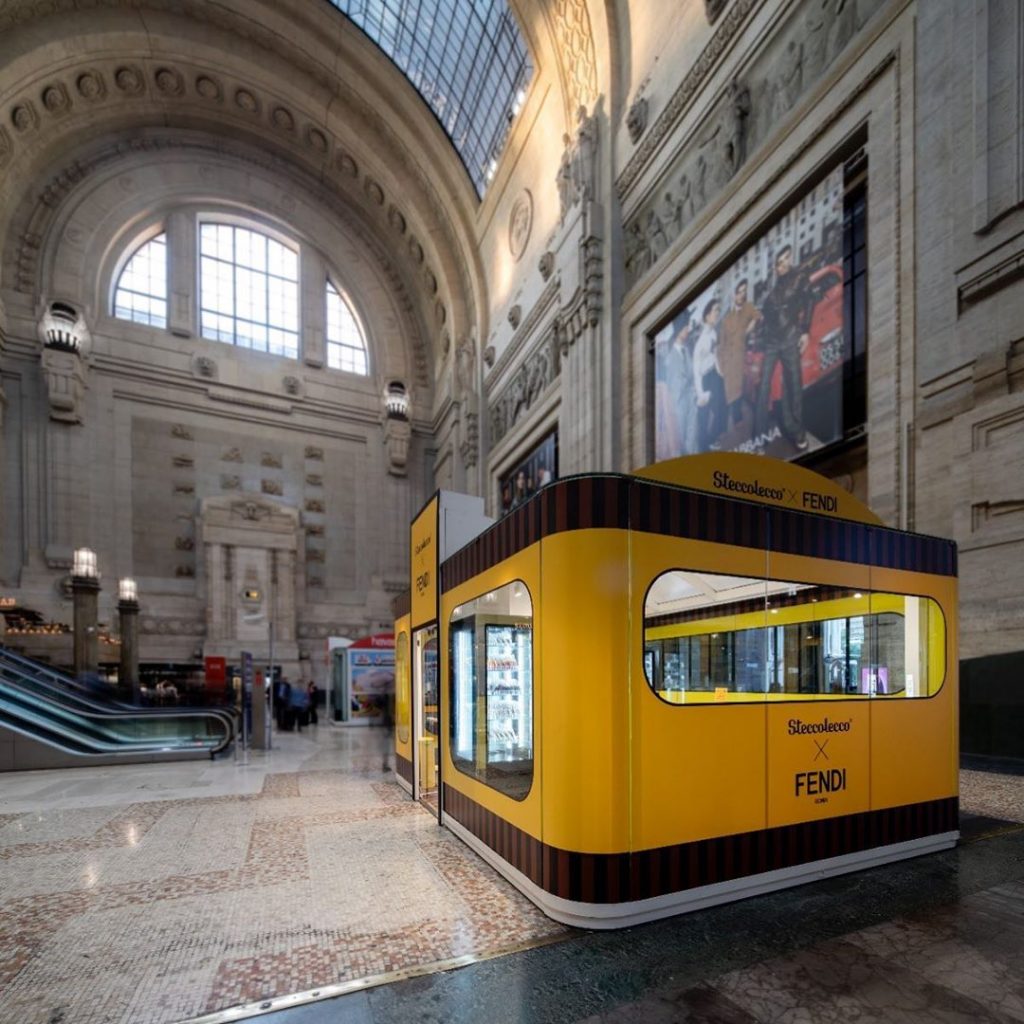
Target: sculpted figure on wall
x=465 y=366
x=585 y=160
x=747 y=113
x=577 y=171
x=564 y=179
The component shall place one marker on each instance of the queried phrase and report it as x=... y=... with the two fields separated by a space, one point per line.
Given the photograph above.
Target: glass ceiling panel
x=466 y=58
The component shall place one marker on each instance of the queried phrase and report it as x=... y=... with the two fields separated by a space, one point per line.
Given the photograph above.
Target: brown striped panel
x=401 y=604
x=574 y=503
x=404 y=768
x=621 y=502
x=626 y=877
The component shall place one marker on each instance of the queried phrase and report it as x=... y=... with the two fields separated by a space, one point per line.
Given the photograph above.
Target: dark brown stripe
x=621 y=502
x=404 y=768
x=401 y=604
x=627 y=877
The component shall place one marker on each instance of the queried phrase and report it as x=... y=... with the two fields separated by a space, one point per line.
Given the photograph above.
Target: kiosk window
x=731 y=638
x=491 y=726
x=403 y=688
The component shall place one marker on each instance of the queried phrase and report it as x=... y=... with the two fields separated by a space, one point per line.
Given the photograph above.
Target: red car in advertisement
x=823 y=355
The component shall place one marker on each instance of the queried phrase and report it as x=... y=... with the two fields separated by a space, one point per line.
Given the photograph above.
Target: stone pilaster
x=128 y=674
x=85 y=591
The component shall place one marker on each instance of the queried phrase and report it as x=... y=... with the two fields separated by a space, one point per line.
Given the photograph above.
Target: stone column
x=85 y=590
x=128 y=674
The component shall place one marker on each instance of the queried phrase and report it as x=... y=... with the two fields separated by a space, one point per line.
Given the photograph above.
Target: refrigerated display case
x=508 y=694
x=492 y=698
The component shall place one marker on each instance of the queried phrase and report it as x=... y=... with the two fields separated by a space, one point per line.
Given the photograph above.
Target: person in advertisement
x=786 y=317
x=681 y=384
x=734 y=335
x=708 y=378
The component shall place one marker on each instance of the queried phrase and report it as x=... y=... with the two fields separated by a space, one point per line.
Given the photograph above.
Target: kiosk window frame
x=491 y=724
x=850 y=645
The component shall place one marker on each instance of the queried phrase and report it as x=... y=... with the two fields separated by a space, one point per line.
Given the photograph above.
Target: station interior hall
x=511 y=511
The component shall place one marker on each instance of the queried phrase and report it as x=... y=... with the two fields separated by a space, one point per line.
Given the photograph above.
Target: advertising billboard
x=754 y=362
x=540 y=467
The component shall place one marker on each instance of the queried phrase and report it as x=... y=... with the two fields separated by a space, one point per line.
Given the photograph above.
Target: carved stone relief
x=272 y=460
x=636 y=119
x=571 y=21
x=520 y=222
x=271 y=487
x=204 y=366
x=314 y=454
x=183 y=461
x=232 y=455
x=230 y=482
x=577 y=172
x=713 y=8
x=530 y=381
x=314 y=479
x=743 y=117
x=180 y=431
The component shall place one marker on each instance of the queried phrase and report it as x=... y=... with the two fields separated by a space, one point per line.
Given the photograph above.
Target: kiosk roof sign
x=761 y=479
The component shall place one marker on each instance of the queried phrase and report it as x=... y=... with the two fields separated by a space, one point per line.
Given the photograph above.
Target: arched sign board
x=761 y=479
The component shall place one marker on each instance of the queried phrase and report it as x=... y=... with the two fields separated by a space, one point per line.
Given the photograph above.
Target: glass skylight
x=466 y=58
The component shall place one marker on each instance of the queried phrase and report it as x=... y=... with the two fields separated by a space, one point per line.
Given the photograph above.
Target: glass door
x=427 y=719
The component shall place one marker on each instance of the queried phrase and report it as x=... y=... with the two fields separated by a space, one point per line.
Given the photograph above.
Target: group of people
x=294 y=705
x=703 y=369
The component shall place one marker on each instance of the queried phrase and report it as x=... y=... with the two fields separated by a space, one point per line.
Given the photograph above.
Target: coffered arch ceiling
x=289 y=84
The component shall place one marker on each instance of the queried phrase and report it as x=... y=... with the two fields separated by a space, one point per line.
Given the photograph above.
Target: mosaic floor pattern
x=149 y=894
x=152 y=894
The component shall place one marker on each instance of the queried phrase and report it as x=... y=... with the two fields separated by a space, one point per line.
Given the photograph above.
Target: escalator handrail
x=87 y=704
x=39 y=728
x=70 y=688
x=62 y=711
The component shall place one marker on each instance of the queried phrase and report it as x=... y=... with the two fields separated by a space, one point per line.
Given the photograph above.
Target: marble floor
x=156 y=893
x=160 y=893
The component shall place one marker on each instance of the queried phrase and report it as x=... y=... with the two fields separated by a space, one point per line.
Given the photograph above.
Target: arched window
x=141 y=293
x=346 y=349
x=249 y=290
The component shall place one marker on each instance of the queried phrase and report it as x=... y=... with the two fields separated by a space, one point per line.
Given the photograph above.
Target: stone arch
x=188 y=75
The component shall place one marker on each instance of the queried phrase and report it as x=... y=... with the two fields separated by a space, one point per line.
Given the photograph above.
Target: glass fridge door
x=508 y=693
x=464 y=695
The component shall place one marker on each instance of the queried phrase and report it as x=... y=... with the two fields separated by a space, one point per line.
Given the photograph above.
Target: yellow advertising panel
x=766 y=481
x=424 y=564
x=819 y=761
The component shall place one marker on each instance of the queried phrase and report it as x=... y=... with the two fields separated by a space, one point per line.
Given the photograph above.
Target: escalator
x=48 y=720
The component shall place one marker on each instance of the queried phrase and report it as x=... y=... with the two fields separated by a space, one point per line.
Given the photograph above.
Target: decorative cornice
x=684 y=95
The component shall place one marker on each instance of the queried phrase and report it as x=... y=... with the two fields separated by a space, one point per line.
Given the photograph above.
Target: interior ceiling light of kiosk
x=678 y=590
x=466 y=59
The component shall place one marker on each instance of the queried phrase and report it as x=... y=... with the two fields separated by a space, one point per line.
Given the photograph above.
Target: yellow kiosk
x=719 y=676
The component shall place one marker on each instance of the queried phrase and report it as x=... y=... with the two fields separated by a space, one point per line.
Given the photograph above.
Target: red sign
x=216 y=671
x=378 y=640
